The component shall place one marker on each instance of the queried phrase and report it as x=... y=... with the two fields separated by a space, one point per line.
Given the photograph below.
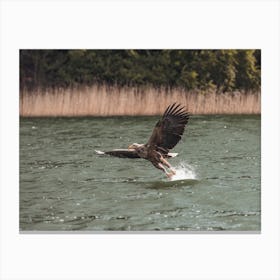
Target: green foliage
x=248 y=73
x=224 y=70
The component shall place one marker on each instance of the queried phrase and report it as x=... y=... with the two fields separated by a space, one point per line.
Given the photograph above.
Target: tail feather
x=172 y=155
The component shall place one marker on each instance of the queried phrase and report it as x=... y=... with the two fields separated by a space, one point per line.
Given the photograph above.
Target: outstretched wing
x=170 y=128
x=127 y=153
x=121 y=153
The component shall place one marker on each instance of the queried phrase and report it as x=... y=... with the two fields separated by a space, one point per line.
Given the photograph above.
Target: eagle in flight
x=166 y=134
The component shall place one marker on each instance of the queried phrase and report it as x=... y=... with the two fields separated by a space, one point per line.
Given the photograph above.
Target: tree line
x=202 y=70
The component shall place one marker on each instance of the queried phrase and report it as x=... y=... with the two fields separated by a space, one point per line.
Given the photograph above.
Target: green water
x=65 y=186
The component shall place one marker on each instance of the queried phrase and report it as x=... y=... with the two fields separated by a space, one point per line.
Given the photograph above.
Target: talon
x=169 y=175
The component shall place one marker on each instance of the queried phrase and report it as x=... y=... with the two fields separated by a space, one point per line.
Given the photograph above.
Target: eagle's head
x=134 y=146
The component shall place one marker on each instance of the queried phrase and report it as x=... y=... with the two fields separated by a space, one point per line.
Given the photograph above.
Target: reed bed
x=129 y=101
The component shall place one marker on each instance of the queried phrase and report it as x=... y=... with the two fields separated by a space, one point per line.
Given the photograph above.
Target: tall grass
x=129 y=101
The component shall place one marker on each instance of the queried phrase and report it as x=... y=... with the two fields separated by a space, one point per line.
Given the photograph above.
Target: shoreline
x=102 y=101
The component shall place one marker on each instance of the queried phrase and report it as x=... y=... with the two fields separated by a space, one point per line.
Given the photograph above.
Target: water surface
x=65 y=186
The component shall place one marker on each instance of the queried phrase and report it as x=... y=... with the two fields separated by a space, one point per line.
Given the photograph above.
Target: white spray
x=184 y=171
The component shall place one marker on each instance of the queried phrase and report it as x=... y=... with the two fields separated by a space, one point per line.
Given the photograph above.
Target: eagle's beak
x=130 y=147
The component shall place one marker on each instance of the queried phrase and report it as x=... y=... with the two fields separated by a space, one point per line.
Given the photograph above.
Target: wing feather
x=121 y=153
x=170 y=128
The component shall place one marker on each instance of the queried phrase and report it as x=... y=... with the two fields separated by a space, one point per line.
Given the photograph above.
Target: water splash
x=184 y=171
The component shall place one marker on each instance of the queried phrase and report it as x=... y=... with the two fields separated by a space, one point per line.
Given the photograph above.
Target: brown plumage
x=165 y=136
x=169 y=129
x=167 y=133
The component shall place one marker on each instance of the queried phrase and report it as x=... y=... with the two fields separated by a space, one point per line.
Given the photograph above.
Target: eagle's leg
x=161 y=167
x=166 y=163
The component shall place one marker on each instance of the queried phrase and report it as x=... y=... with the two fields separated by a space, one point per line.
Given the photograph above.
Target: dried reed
x=129 y=101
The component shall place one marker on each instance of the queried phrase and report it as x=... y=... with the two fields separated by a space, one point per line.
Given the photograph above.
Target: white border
x=135 y=24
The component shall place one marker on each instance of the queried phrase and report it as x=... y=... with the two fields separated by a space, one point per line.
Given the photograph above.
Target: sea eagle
x=166 y=134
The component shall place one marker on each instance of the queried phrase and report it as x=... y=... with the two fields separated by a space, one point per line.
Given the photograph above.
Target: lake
x=66 y=186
